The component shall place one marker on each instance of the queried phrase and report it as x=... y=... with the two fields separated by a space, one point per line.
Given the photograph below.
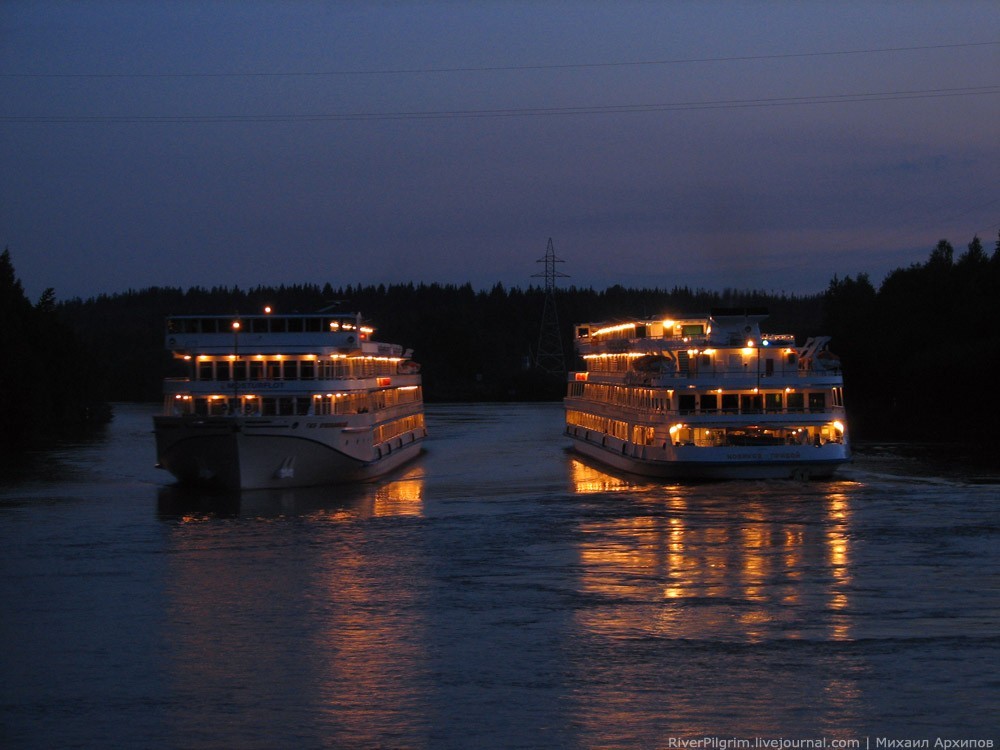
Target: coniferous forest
x=920 y=351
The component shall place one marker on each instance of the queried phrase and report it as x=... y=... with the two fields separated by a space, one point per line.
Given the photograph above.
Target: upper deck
x=274 y=334
x=723 y=328
x=728 y=343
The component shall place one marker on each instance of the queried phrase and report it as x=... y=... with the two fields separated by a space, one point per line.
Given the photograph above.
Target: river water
x=497 y=593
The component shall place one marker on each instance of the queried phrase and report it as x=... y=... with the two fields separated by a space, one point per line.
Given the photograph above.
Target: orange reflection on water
x=586 y=479
x=402 y=497
x=371 y=650
x=692 y=562
x=838 y=544
x=722 y=577
x=239 y=569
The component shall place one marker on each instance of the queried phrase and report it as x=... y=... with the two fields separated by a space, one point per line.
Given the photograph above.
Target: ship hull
x=688 y=462
x=240 y=453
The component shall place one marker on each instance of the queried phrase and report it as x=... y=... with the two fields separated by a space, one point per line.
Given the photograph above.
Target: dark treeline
x=47 y=387
x=919 y=351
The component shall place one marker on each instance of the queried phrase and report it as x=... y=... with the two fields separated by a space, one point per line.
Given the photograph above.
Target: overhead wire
x=516 y=112
x=506 y=68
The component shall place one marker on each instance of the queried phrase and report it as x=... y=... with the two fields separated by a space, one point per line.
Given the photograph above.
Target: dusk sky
x=755 y=145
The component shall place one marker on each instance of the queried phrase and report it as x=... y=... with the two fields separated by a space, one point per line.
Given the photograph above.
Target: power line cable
x=515 y=112
x=506 y=68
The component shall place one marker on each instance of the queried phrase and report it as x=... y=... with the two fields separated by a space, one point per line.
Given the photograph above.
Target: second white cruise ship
x=707 y=397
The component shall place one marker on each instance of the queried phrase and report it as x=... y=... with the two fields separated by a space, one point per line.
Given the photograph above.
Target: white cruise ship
x=707 y=397
x=286 y=401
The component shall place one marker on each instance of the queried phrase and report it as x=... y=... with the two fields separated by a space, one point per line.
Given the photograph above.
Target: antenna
x=549 y=356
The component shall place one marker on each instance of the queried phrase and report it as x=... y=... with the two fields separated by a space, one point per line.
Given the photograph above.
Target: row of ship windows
x=294 y=369
x=272 y=406
x=385 y=432
x=705 y=363
x=658 y=400
x=712 y=437
x=296 y=324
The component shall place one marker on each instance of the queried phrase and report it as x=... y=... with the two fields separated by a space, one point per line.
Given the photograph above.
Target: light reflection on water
x=714 y=584
x=497 y=592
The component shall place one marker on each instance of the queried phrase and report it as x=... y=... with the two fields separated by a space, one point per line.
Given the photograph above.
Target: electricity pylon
x=549 y=356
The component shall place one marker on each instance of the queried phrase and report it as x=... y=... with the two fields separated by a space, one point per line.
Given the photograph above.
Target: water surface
x=497 y=592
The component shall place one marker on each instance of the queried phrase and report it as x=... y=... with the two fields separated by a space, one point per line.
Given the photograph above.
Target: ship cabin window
x=209 y=325
x=258 y=325
x=706 y=362
x=686 y=403
x=691 y=329
x=295 y=325
x=730 y=403
x=307 y=369
x=222 y=371
x=313 y=325
x=284 y=406
x=583 y=332
x=205 y=370
x=791 y=358
x=769 y=366
x=274 y=369
x=709 y=402
x=772 y=402
x=838 y=397
x=289 y=370
x=240 y=370
x=752 y=403
x=796 y=402
x=256 y=369
x=817 y=402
